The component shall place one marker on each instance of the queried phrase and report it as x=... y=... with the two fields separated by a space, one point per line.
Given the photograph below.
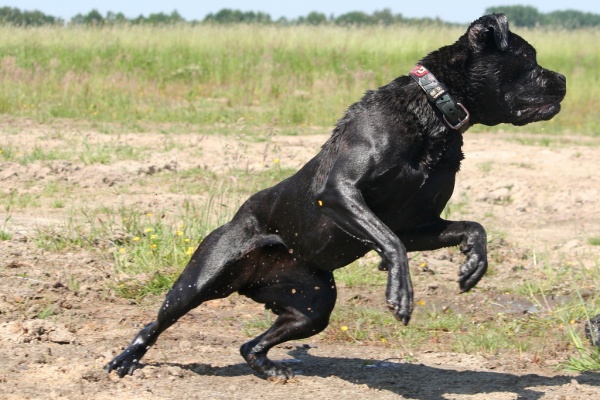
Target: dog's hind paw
x=278 y=372
x=124 y=364
x=262 y=364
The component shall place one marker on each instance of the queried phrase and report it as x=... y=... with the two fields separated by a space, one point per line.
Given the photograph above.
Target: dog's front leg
x=469 y=236
x=344 y=204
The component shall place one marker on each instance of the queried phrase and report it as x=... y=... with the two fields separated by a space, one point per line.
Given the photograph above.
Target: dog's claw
x=401 y=313
x=122 y=369
x=124 y=364
x=471 y=272
x=262 y=364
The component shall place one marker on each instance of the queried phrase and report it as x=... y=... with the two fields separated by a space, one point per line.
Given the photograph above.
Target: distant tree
x=228 y=16
x=316 y=18
x=14 y=16
x=525 y=16
x=354 y=18
x=518 y=15
x=164 y=19
x=115 y=18
x=572 y=19
x=529 y=17
x=92 y=18
x=385 y=17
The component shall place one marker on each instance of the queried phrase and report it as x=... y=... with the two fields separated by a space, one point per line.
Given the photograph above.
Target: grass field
x=297 y=76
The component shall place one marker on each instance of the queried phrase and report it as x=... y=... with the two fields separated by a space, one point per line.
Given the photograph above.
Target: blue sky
x=452 y=11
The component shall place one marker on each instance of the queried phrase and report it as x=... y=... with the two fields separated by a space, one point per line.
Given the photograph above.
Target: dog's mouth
x=541 y=112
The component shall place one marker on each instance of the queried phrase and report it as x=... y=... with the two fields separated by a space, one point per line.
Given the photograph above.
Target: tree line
x=523 y=16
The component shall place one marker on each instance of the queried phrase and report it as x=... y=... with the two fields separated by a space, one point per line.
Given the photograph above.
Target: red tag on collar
x=419 y=71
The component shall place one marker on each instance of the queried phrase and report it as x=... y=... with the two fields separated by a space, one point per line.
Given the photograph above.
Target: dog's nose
x=562 y=77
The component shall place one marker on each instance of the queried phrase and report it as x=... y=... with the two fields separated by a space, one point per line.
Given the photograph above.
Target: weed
x=587 y=359
x=446 y=320
x=47 y=312
x=8 y=152
x=38 y=153
x=137 y=288
x=485 y=167
x=73 y=284
x=258 y=325
x=4 y=233
x=58 y=203
x=360 y=273
x=456 y=208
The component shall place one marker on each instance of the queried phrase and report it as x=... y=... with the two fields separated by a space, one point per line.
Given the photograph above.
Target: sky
x=451 y=11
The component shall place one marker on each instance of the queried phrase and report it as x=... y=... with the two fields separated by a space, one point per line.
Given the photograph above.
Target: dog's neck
x=454 y=114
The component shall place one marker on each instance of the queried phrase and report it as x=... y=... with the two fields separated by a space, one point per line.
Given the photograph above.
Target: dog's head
x=505 y=84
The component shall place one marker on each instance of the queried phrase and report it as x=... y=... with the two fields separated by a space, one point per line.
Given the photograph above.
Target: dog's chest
x=426 y=173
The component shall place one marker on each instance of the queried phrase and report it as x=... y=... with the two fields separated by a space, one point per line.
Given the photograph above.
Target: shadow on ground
x=411 y=381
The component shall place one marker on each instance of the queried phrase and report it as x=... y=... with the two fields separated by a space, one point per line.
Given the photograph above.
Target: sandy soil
x=536 y=201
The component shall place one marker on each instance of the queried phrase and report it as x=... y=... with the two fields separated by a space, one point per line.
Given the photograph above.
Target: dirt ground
x=541 y=200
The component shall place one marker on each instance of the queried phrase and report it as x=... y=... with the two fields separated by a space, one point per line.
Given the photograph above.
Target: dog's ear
x=482 y=31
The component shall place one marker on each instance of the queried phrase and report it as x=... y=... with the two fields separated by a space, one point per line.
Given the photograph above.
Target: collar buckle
x=460 y=123
x=438 y=95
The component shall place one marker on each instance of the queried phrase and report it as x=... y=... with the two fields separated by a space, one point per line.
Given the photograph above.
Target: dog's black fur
x=379 y=183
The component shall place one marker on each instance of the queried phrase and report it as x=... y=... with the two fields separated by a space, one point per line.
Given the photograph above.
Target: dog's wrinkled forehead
x=519 y=46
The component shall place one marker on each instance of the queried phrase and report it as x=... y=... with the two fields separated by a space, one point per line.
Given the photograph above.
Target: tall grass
x=300 y=75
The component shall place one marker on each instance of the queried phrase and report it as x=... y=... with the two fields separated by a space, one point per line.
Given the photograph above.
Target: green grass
x=298 y=76
x=567 y=297
x=360 y=274
x=151 y=247
x=75 y=149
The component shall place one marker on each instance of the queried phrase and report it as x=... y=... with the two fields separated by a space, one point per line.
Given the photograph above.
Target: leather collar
x=455 y=114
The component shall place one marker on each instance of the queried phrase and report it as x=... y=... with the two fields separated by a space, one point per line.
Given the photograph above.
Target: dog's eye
x=530 y=61
x=529 y=56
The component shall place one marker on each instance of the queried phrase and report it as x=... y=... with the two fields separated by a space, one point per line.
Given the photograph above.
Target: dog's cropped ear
x=481 y=31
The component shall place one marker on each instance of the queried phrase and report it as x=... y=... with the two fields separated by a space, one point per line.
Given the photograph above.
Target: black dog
x=379 y=183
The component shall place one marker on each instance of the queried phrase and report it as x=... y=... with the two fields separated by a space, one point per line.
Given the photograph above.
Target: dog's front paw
x=402 y=311
x=472 y=271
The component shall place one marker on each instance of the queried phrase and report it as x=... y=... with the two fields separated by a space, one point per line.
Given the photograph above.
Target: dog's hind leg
x=214 y=271
x=303 y=299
